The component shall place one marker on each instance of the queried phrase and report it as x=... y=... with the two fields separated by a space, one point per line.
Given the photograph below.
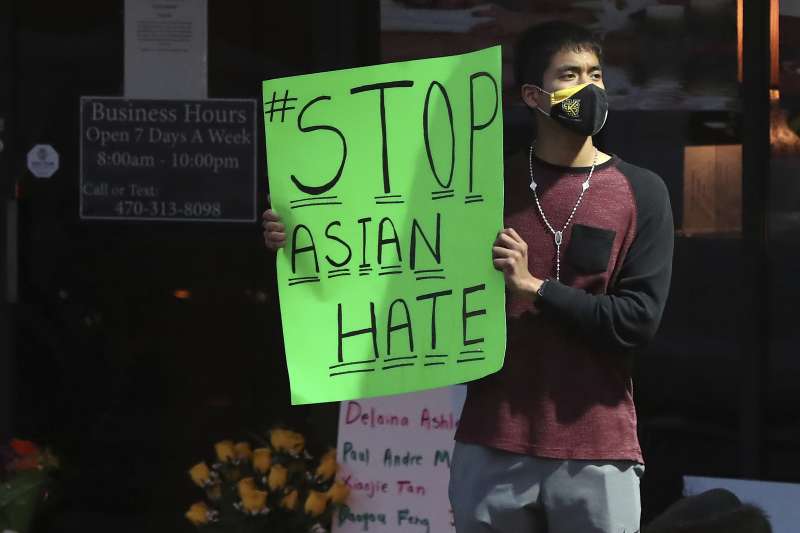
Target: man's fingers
x=506 y=241
x=274 y=230
x=275 y=243
x=274 y=227
x=502 y=264
x=514 y=235
x=501 y=252
x=510 y=235
x=271 y=216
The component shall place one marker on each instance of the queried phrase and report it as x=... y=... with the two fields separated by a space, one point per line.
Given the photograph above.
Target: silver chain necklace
x=558 y=236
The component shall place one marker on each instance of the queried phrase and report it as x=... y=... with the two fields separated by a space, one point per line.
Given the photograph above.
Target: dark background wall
x=130 y=384
x=133 y=385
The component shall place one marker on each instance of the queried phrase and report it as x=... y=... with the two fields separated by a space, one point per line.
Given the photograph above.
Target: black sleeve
x=628 y=316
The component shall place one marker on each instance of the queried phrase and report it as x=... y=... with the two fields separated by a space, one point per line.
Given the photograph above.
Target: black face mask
x=582 y=109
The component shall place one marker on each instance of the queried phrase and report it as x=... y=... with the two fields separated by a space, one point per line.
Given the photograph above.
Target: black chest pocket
x=590 y=248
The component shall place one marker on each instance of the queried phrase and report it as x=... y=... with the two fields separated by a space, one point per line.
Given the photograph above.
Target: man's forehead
x=572 y=59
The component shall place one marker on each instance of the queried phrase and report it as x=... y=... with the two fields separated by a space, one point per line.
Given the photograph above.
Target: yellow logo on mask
x=572 y=107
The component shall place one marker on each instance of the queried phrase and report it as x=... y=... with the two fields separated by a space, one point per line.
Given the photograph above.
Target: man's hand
x=274 y=231
x=510 y=256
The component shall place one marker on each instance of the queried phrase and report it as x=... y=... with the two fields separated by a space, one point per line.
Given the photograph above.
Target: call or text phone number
x=137 y=208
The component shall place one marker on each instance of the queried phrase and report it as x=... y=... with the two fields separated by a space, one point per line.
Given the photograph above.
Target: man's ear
x=535 y=97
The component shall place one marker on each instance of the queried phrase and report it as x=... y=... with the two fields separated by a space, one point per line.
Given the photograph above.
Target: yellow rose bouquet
x=273 y=486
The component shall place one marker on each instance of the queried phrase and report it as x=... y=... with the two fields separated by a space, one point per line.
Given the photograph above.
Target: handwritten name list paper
x=395 y=454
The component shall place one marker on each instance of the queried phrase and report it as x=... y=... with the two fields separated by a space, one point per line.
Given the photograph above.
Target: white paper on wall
x=166 y=49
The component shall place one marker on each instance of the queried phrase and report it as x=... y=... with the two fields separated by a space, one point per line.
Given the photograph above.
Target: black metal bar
x=369 y=33
x=7 y=217
x=328 y=19
x=346 y=34
x=755 y=187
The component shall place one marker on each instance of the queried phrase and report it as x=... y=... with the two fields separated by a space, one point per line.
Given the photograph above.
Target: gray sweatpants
x=492 y=491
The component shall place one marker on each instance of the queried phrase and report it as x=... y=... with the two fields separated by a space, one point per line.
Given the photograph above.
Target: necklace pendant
x=557 y=236
x=585 y=185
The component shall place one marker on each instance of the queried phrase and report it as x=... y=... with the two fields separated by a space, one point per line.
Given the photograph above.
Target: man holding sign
x=550 y=441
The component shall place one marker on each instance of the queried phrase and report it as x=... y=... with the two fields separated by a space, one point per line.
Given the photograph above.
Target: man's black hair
x=538 y=44
x=713 y=511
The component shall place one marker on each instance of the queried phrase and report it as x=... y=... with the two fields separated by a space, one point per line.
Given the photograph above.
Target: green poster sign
x=389 y=179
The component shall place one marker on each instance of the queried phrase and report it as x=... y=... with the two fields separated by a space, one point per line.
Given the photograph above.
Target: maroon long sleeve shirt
x=565 y=390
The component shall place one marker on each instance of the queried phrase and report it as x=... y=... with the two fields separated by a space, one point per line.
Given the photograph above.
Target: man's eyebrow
x=577 y=68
